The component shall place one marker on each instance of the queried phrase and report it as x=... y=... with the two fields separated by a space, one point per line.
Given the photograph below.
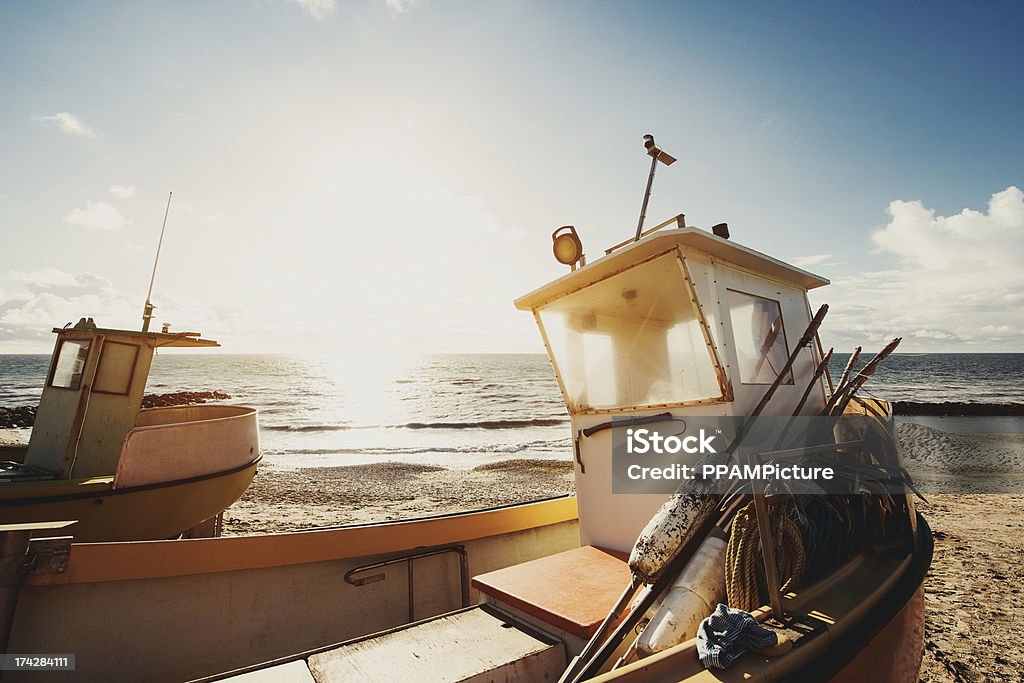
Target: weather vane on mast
x=147 y=310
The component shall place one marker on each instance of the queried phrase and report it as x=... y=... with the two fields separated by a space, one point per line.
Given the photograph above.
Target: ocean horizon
x=460 y=410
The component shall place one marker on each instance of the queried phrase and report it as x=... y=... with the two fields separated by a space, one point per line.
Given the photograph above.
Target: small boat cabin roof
x=160 y=339
x=686 y=238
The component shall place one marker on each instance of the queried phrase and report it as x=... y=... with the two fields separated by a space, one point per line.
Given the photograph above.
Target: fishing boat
x=120 y=471
x=674 y=325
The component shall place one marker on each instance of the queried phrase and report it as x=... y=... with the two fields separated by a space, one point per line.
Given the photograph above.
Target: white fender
x=692 y=597
x=674 y=524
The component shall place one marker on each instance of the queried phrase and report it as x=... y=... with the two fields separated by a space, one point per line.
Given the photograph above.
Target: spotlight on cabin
x=721 y=230
x=567 y=247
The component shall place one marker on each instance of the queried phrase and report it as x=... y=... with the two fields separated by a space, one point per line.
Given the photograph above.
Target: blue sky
x=379 y=174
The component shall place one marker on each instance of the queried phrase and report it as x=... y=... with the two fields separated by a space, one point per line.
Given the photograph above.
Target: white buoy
x=692 y=597
x=675 y=523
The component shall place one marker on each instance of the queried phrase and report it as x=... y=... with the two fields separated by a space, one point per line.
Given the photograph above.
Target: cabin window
x=117 y=365
x=759 y=336
x=70 y=364
x=631 y=340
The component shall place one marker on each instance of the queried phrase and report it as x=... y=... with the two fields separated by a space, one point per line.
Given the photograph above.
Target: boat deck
x=476 y=644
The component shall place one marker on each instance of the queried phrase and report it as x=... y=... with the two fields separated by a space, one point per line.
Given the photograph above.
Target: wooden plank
x=292 y=672
x=571 y=591
x=472 y=645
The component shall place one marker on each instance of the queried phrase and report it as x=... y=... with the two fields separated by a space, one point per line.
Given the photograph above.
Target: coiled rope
x=744 y=566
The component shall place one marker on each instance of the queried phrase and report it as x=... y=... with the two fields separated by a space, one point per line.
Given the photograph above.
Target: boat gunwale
x=101 y=487
x=135 y=560
x=246 y=412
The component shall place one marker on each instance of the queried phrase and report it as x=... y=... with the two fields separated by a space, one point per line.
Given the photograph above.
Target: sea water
x=458 y=411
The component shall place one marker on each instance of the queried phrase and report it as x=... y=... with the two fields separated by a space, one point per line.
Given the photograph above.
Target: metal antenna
x=147 y=310
x=656 y=156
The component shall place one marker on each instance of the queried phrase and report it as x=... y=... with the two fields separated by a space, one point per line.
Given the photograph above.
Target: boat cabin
x=124 y=472
x=93 y=395
x=681 y=321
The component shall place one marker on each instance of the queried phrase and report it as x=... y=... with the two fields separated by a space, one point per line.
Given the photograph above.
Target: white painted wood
x=614 y=521
x=205 y=439
x=233 y=618
x=466 y=646
x=292 y=672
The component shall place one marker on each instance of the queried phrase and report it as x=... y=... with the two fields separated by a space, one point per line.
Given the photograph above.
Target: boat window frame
x=131 y=372
x=88 y=341
x=785 y=339
x=725 y=394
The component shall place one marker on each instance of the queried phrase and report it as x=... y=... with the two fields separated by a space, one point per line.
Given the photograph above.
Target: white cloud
x=50 y=297
x=46 y=298
x=70 y=124
x=401 y=6
x=46 y=277
x=318 y=9
x=806 y=261
x=99 y=216
x=122 y=191
x=957 y=283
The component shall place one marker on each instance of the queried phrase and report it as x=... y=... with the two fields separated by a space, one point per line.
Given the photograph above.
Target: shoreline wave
x=481 y=424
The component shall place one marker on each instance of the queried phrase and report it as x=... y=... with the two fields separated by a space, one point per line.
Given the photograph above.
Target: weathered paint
x=236 y=601
x=78 y=431
x=710 y=267
x=472 y=645
x=129 y=514
x=185 y=442
x=675 y=523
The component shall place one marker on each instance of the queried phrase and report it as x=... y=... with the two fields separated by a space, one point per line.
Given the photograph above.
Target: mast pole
x=147 y=310
x=647 y=197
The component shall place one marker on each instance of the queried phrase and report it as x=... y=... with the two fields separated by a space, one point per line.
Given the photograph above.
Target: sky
x=385 y=175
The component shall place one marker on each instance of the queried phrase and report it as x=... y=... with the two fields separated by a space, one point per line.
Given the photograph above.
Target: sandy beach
x=974 y=592
x=286 y=499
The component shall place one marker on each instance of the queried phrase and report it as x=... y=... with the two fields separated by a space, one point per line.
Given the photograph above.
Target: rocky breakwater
x=23 y=417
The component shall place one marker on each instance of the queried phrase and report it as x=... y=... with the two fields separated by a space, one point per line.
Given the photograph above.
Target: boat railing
x=409 y=558
x=679 y=220
x=183 y=442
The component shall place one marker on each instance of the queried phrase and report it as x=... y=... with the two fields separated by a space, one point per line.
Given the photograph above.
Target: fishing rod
x=818 y=371
x=843 y=394
x=867 y=371
x=846 y=371
x=846 y=390
x=147 y=310
x=701 y=506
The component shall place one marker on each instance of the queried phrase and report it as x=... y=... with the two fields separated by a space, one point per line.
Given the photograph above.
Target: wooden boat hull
x=235 y=602
x=183 y=609
x=149 y=512
x=874 y=631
